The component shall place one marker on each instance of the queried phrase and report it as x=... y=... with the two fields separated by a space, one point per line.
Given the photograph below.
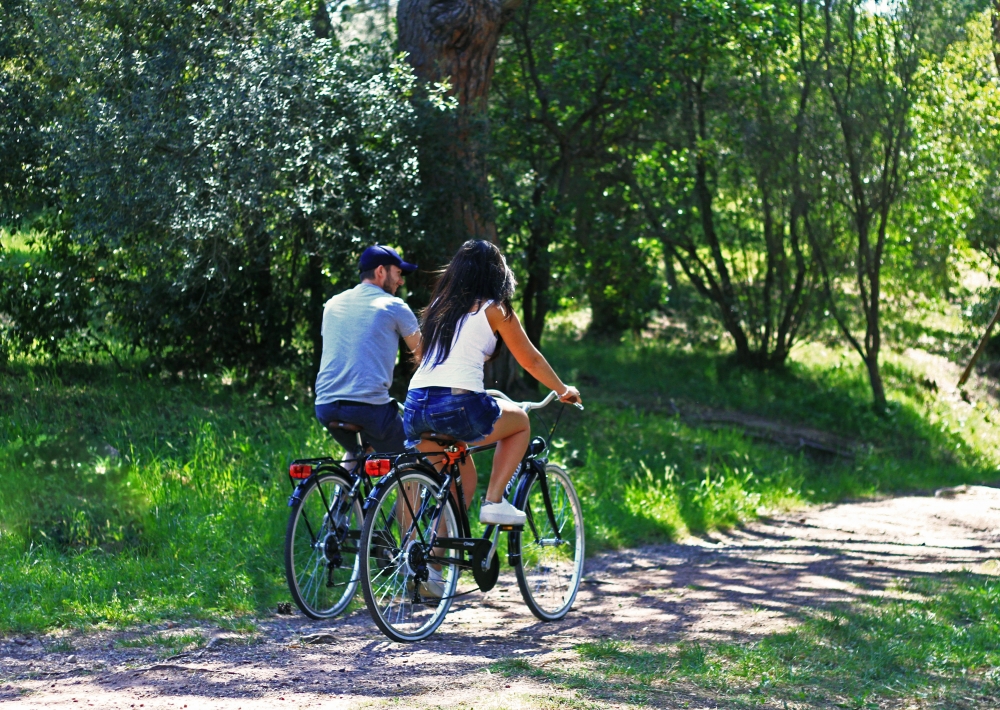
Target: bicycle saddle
x=343 y=426
x=439 y=439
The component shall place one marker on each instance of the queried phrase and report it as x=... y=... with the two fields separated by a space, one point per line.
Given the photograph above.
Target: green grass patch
x=941 y=643
x=127 y=497
x=165 y=642
x=922 y=443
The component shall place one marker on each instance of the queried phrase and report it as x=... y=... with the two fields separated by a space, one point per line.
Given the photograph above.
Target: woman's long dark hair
x=477 y=273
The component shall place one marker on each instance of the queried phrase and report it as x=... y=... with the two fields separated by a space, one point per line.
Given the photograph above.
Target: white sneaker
x=502 y=513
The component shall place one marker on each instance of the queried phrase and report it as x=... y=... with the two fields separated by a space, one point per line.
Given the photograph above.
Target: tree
x=571 y=86
x=455 y=41
x=214 y=165
x=873 y=75
x=721 y=172
x=23 y=111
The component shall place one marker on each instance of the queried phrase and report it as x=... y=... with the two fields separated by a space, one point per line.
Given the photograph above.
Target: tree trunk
x=456 y=41
x=875 y=377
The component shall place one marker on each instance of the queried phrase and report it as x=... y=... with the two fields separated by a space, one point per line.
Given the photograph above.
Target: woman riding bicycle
x=468 y=317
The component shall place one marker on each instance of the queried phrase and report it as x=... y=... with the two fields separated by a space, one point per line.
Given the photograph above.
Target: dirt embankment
x=746 y=583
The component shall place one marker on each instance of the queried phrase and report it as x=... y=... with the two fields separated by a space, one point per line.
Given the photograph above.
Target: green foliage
x=127 y=499
x=214 y=168
x=569 y=86
x=130 y=497
x=23 y=113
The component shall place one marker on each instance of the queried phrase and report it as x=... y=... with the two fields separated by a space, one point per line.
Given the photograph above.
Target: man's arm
x=414 y=344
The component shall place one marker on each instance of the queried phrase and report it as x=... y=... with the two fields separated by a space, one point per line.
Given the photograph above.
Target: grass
x=164 y=642
x=128 y=497
x=939 y=644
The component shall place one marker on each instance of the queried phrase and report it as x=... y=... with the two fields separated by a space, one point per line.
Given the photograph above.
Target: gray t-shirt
x=361 y=332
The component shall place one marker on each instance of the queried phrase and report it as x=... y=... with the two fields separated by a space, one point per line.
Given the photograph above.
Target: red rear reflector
x=377 y=467
x=300 y=470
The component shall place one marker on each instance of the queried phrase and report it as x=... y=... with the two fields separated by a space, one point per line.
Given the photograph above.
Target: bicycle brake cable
x=556 y=422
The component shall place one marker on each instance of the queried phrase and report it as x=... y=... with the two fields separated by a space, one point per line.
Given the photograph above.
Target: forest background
x=193 y=181
x=714 y=209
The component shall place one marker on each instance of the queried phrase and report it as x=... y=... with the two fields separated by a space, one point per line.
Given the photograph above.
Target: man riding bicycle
x=361 y=332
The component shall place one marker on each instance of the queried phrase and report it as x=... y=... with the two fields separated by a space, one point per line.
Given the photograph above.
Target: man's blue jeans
x=381 y=425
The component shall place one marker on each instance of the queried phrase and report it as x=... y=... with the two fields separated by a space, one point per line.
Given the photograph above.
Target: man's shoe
x=502 y=513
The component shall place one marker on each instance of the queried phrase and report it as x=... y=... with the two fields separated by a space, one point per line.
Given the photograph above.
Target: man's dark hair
x=477 y=273
x=370 y=274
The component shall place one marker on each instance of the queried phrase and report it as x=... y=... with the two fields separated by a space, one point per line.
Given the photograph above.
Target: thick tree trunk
x=456 y=41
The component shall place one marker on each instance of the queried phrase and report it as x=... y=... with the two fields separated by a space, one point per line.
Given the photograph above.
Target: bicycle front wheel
x=408 y=585
x=552 y=546
x=321 y=546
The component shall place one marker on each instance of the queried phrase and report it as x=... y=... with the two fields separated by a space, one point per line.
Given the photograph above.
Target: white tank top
x=473 y=344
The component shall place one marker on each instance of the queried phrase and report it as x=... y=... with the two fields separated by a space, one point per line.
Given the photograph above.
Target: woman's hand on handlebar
x=571 y=396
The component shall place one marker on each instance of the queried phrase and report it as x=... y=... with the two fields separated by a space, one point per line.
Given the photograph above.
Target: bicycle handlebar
x=528 y=406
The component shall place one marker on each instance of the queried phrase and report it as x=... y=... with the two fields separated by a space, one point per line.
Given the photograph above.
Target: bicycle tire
x=320 y=567
x=387 y=578
x=548 y=571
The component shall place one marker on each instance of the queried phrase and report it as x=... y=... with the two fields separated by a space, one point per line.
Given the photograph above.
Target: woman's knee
x=515 y=421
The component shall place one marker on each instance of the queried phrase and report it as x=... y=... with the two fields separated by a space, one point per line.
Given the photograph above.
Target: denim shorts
x=468 y=416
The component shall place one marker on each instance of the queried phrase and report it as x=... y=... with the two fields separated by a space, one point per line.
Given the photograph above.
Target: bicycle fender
x=517 y=500
x=296 y=497
x=376 y=489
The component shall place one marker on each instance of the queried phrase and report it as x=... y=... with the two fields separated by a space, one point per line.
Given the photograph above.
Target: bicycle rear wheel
x=406 y=595
x=551 y=565
x=321 y=546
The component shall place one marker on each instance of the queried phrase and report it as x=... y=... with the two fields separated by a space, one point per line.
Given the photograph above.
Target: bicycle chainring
x=487 y=578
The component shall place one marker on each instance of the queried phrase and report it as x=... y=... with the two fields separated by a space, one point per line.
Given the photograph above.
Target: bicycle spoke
x=551 y=562
x=406 y=514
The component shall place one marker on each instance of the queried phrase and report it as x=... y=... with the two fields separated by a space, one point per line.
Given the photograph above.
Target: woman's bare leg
x=512 y=432
x=467 y=471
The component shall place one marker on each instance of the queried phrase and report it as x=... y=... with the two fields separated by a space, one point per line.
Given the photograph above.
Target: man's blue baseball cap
x=380 y=255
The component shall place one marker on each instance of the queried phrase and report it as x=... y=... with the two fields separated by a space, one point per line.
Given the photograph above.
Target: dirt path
x=746 y=583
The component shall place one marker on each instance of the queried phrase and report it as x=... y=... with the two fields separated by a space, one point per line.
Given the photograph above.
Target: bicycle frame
x=482 y=549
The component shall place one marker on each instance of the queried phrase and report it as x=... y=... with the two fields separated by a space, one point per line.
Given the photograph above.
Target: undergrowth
x=129 y=497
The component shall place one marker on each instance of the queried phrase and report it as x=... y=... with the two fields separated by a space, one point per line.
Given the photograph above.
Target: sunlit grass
x=129 y=498
x=940 y=644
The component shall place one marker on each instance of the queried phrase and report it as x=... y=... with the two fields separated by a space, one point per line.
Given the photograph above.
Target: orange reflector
x=377 y=467
x=300 y=470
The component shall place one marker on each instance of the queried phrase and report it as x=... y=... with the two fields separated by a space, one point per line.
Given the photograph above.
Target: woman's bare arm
x=526 y=354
